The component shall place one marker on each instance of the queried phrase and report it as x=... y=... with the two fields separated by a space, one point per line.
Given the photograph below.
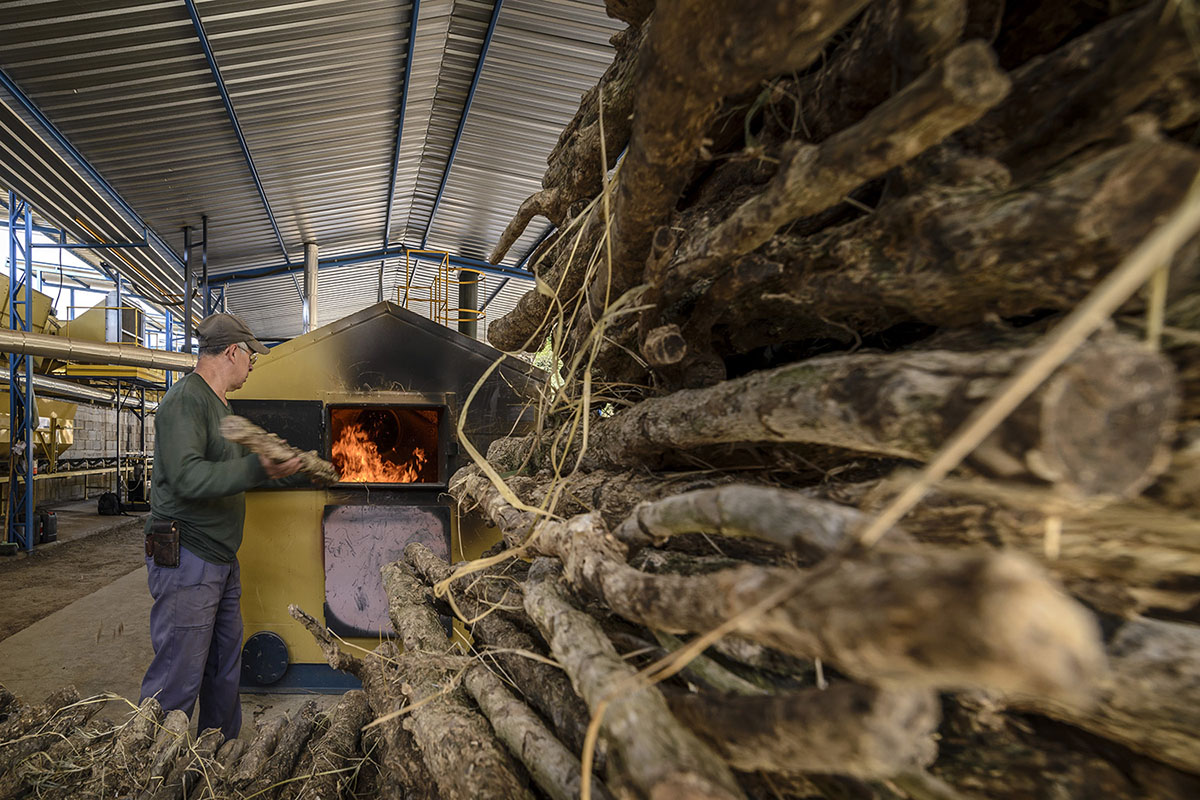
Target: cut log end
x=971 y=75
x=1113 y=398
x=664 y=346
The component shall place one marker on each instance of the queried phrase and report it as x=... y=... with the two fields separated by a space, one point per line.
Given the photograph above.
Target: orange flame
x=358 y=460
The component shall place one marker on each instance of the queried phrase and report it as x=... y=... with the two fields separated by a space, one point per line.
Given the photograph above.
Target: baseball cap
x=220 y=330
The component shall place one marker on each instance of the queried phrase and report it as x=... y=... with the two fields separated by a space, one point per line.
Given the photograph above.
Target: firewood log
x=227 y=758
x=706 y=671
x=172 y=737
x=1150 y=700
x=246 y=433
x=265 y=740
x=1109 y=74
x=543 y=686
x=191 y=763
x=845 y=729
x=490 y=589
x=808 y=525
x=856 y=613
x=457 y=744
x=905 y=405
x=554 y=768
x=1121 y=559
x=292 y=739
x=986 y=753
x=866 y=69
x=658 y=755
x=333 y=753
x=402 y=769
x=890 y=267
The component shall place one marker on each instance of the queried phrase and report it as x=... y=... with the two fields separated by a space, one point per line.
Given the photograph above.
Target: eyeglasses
x=249 y=352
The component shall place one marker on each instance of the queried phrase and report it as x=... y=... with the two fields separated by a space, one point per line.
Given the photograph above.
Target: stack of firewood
x=799 y=245
x=61 y=748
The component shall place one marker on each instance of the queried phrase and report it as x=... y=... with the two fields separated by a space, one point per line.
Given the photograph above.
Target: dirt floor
x=78 y=612
x=53 y=577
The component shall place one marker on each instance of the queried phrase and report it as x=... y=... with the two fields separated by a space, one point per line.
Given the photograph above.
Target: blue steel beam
x=520 y=265
x=36 y=228
x=462 y=121
x=237 y=128
x=408 y=64
x=395 y=251
x=57 y=135
x=21 y=527
x=62 y=234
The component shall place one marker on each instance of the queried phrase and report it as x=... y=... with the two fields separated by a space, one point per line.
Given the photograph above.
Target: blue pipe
x=395 y=251
x=520 y=265
x=237 y=128
x=45 y=122
x=462 y=121
x=408 y=63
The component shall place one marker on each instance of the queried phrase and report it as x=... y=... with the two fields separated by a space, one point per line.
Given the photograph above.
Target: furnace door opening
x=385 y=444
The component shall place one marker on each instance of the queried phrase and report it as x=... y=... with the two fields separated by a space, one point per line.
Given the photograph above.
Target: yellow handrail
x=437 y=293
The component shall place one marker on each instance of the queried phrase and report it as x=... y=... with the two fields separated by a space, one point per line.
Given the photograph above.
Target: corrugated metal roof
x=316 y=85
x=543 y=57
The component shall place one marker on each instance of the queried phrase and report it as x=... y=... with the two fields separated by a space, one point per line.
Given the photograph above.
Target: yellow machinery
x=379 y=390
x=43 y=320
x=114 y=323
x=107 y=324
x=56 y=418
x=55 y=431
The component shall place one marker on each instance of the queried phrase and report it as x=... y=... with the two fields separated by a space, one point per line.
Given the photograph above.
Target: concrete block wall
x=96 y=432
x=95 y=437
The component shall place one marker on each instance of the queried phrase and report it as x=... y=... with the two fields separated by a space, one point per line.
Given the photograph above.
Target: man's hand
x=279 y=470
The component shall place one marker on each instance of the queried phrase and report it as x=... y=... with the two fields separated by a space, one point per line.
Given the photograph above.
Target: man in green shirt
x=200 y=480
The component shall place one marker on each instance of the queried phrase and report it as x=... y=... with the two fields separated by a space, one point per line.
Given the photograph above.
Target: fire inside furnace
x=385 y=444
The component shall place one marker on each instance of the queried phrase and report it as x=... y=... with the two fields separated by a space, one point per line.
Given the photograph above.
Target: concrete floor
x=101 y=642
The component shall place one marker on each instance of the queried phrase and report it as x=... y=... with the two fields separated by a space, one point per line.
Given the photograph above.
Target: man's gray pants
x=196 y=630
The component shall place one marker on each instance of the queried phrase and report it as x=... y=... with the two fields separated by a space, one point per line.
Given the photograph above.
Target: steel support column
x=169 y=377
x=209 y=308
x=310 y=287
x=468 y=303
x=20 y=522
x=188 y=289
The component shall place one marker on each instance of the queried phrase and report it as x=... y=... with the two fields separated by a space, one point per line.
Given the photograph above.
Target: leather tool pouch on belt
x=162 y=543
